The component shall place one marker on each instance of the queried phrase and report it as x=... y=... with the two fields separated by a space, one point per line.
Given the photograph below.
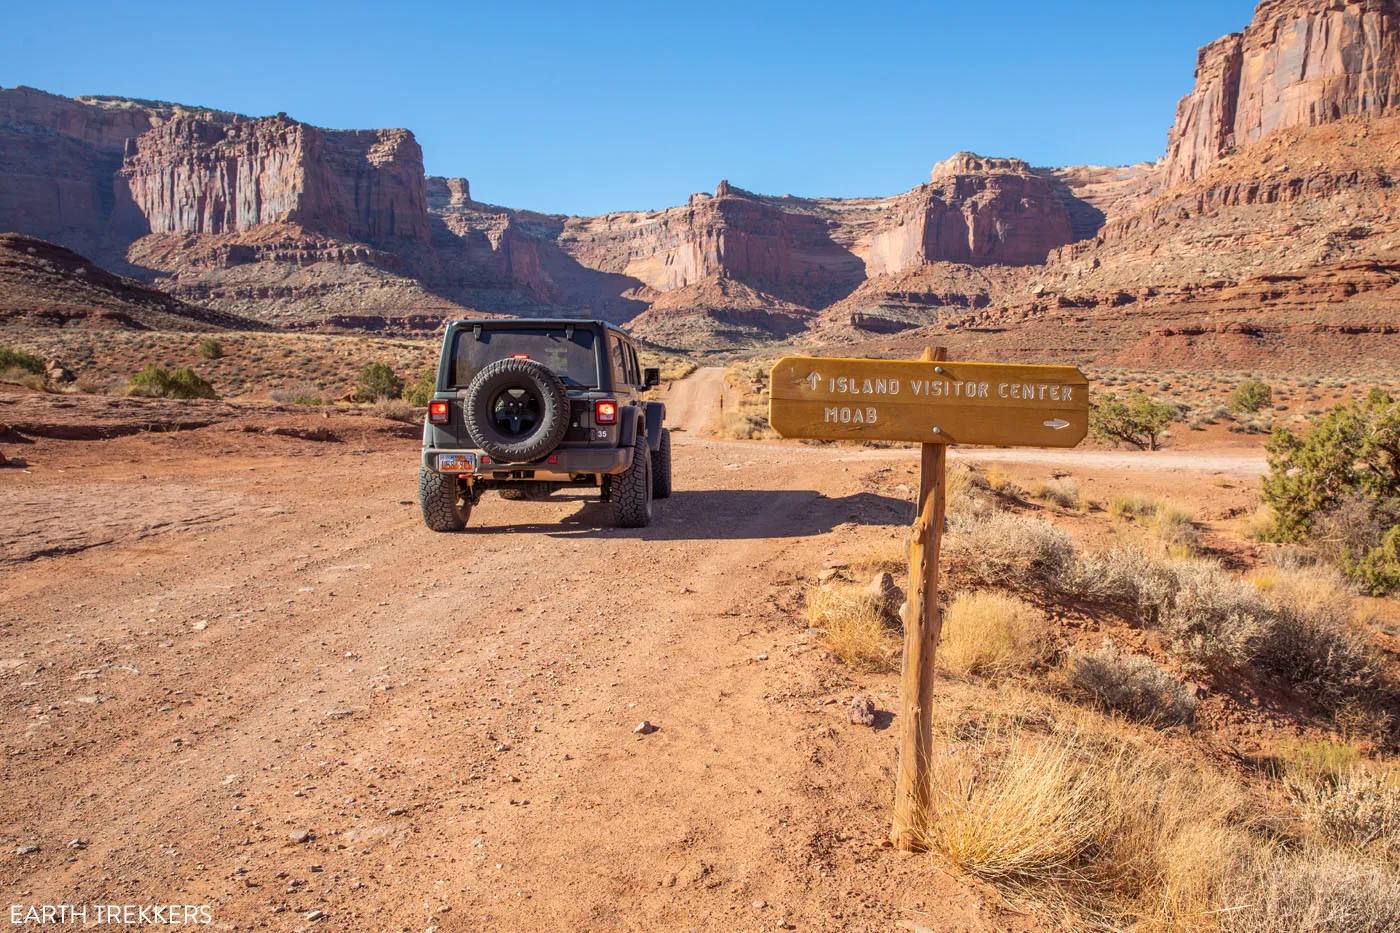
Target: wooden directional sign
x=929 y=402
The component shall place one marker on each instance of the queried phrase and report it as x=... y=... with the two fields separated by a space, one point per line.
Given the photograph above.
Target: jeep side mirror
x=651 y=377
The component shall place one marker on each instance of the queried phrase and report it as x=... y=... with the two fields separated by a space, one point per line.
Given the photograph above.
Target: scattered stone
x=397 y=811
x=644 y=728
x=886 y=592
x=862 y=710
x=315 y=915
x=759 y=905
x=761 y=657
x=26 y=850
x=299 y=836
x=827 y=575
x=77 y=844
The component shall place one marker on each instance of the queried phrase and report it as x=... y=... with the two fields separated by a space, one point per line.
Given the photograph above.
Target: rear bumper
x=567 y=463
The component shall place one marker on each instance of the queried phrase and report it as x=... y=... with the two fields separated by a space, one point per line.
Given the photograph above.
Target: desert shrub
x=1340 y=486
x=11 y=358
x=1215 y=620
x=1003 y=485
x=986 y=633
x=1002 y=550
x=211 y=348
x=1132 y=685
x=24 y=377
x=1251 y=395
x=1378 y=570
x=1140 y=420
x=155 y=382
x=1357 y=809
x=1059 y=493
x=377 y=381
x=855 y=626
x=1310 y=892
x=420 y=392
x=1135 y=505
x=1176 y=528
x=300 y=393
x=394 y=409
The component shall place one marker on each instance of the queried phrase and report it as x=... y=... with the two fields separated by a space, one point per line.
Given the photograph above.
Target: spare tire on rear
x=517 y=411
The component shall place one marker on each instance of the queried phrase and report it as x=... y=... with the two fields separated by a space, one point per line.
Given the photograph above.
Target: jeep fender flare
x=630 y=417
x=655 y=414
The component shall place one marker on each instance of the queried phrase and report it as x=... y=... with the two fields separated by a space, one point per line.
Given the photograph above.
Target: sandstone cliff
x=195 y=176
x=1299 y=63
x=58 y=157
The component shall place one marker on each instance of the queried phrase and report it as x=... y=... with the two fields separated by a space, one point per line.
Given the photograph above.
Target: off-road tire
x=661 y=467
x=631 y=489
x=444 y=506
x=532 y=377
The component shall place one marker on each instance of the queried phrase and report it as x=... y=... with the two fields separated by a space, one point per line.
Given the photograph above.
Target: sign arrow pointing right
x=1058 y=424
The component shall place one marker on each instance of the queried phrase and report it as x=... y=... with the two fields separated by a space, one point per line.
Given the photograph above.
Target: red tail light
x=520 y=356
x=605 y=412
x=437 y=413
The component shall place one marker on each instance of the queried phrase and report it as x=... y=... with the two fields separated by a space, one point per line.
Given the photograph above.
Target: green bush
x=379 y=381
x=18 y=359
x=1251 y=395
x=420 y=392
x=154 y=382
x=1140 y=421
x=1339 y=487
x=211 y=348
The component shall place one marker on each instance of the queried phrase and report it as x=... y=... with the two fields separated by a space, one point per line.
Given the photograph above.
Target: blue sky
x=586 y=108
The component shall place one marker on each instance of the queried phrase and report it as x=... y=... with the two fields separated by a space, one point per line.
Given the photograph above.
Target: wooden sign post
x=934 y=403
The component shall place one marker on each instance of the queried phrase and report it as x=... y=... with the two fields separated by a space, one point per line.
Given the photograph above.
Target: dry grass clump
x=855 y=625
x=986 y=633
x=1074 y=816
x=1003 y=485
x=997 y=549
x=1135 y=505
x=1059 y=493
x=1358 y=810
x=1132 y=685
x=1310 y=892
x=299 y=393
x=1172 y=525
x=1175 y=527
x=394 y=409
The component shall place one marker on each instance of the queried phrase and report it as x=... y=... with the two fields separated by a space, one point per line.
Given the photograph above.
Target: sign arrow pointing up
x=1058 y=424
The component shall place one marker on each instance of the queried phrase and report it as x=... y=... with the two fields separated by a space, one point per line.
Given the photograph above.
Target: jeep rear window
x=571 y=358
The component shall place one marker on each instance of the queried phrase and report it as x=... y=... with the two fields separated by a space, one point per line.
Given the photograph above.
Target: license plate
x=456 y=463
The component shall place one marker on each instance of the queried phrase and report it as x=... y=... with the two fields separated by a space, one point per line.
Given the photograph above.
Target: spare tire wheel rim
x=516 y=411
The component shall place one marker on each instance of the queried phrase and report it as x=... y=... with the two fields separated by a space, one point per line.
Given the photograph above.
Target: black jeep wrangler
x=530 y=407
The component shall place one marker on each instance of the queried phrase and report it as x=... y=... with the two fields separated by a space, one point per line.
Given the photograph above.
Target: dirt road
x=237 y=670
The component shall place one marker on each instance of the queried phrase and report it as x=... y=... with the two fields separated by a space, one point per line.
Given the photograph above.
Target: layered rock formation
x=58 y=157
x=196 y=176
x=1299 y=63
x=975 y=211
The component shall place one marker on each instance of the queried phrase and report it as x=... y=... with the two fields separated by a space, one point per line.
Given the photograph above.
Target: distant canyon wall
x=1299 y=63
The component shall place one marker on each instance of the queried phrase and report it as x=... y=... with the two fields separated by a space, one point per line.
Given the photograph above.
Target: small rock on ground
x=862 y=710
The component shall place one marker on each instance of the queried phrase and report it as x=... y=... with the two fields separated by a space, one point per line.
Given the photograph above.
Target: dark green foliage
x=1251 y=395
x=1140 y=421
x=420 y=392
x=1339 y=488
x=211 y=348
x=154 y=382
x=379 y=381
x=18 y=359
